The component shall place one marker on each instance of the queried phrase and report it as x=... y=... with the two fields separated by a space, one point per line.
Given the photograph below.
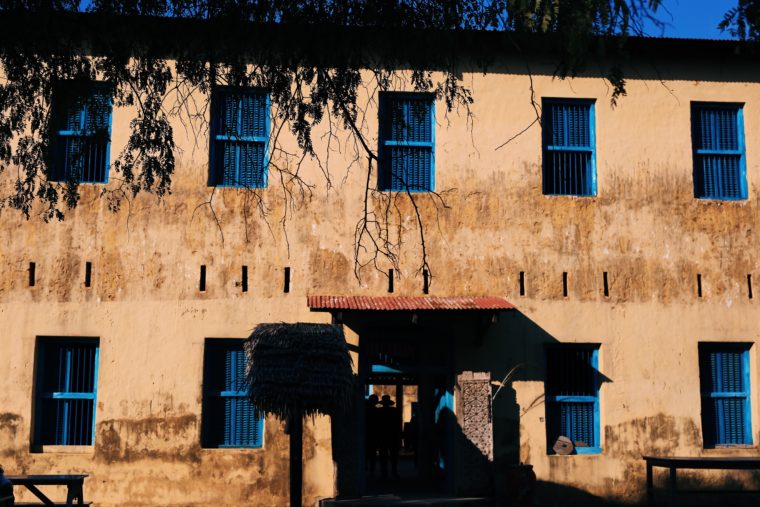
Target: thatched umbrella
x=296 y=370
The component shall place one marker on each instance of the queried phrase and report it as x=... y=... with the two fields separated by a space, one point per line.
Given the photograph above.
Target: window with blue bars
x=239 y=147
x=66 y=391
x=724 y=386
x=569 y=147
x=407 y=142
x=572 y=396
x=718 y=143
x=81 y=128
x=229 y=418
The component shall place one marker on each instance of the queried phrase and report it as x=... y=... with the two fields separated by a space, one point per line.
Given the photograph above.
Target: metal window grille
x=229 y=418
x=572 y=396
x=240 y=137
x=82 y=133
x=569 y=153
x=66 y=391
x=724 y=383
x=718 y=143
x=407 y=142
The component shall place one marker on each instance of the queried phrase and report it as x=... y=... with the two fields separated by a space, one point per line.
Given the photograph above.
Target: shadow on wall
x=497 y=345
x=514 y=341
x=333 y=45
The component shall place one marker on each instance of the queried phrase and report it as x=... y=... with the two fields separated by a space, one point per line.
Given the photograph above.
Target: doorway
x=408 y=415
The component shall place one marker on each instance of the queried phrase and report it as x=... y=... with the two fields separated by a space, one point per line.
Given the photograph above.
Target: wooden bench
x=33 y=504
x=73 y=483
x=709 y=463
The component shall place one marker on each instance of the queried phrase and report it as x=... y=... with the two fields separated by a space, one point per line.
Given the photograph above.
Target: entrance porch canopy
x=408 y=303
x=398 y=314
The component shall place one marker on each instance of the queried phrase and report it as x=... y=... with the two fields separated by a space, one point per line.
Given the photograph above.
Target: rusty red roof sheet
x=389 y=303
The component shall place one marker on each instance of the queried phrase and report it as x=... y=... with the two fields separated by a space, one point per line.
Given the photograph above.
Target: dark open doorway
x=408 y=436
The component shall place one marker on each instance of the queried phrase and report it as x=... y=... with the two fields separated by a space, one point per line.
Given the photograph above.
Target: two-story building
x=606 y=254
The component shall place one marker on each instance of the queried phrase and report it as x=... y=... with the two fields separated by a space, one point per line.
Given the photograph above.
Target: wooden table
x=709 y=463
x=74 y=483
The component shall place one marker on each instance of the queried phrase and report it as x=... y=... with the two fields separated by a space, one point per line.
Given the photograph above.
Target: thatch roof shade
x=299 y=367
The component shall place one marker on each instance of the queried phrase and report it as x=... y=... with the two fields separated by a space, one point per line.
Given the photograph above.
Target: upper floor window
x=239 y=137
x=81 y=132
x=572 y=396
x=569 y=147
x=229 y=418
x=407 y=142
x=718 y=143
x=724 y=386
x=66 y=387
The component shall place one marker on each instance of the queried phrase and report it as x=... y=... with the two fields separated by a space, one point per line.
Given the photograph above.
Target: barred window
x=407 y=142
x=569 y=147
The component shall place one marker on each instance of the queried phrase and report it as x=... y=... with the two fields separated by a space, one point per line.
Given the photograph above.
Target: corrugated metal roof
x=390 y=303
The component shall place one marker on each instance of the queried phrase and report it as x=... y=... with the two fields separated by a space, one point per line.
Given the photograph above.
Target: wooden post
x=672 y=484
x=296 y=458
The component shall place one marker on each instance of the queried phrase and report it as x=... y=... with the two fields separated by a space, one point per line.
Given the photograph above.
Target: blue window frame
x=66 y=390
x=229 y=418
x=718 y=144
x=572 y=396
x=725 y=389
x=407 y=142
x=239 y=147
x=569 y=147
x=81 y=140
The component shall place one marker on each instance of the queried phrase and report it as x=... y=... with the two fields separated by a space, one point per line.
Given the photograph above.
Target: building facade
x=606 y=253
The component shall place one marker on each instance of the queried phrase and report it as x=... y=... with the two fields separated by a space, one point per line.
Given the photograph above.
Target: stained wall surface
x=488 y=222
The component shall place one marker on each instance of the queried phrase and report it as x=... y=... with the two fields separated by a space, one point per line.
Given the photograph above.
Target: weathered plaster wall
x=147 y=442
x=644 y=228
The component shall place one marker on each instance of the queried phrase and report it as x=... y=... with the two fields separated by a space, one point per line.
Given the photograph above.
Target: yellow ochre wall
x=644 y=228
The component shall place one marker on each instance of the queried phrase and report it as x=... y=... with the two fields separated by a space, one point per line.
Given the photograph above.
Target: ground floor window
x=572 y=399
x=67 y=373
x=229 y=419
x=725 y=388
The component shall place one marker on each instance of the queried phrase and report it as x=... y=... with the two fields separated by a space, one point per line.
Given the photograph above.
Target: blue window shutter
x=577 y=421
x=718 y=144
x=73 y=112
x=81 y=119
x=569 y=151
x=97 y=112
x=724 y=383
x=407 y=142
x=239 y=137
x=229 y=419
x=66 y=391
x=572 y=396
x=254 y=115
x=230 y=121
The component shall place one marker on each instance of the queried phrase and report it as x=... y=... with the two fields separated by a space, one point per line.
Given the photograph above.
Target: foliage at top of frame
x=303 y=91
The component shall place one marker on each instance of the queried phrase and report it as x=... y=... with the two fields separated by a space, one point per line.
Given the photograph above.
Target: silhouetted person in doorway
x=371 y=422
x=390 y=435
x=410 y=432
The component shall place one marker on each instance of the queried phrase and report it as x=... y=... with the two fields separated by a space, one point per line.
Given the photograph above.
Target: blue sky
x=691 y=19
x=683 y=18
